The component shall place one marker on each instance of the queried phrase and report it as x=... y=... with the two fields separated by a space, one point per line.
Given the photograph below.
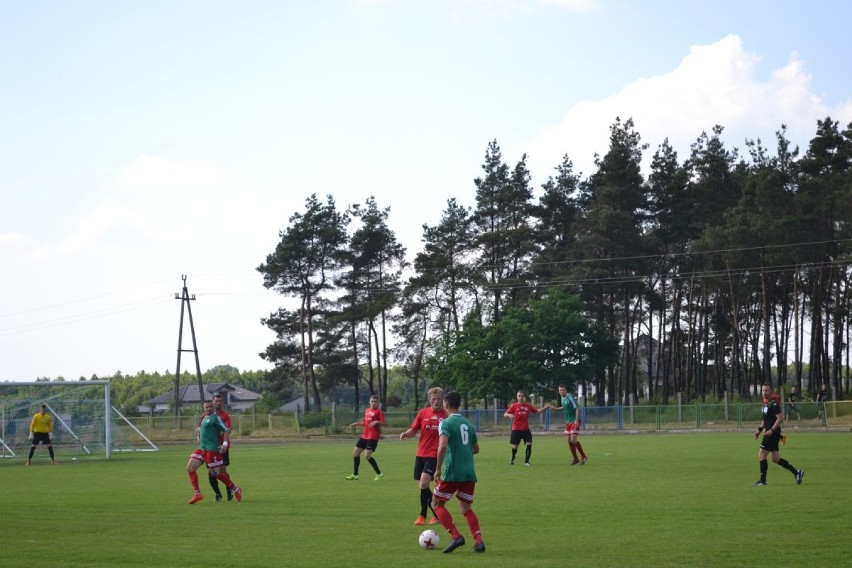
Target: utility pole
x=185 y=298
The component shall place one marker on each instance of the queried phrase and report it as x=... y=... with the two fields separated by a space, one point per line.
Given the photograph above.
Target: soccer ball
x=429 y=539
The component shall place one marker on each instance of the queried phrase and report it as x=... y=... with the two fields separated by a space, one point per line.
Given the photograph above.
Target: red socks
x=473 y=524
x=226 y=479
x=193 y=480
x=447 y=520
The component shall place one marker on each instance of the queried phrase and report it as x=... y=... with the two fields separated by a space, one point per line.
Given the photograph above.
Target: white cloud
x=110 y=218
x=713 y=84
x=146 y=203
x=109 y=225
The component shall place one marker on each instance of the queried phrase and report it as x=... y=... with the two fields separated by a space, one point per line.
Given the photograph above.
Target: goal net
x=84 y=421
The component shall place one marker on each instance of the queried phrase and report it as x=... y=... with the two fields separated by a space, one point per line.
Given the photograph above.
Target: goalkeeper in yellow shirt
x=41 y=432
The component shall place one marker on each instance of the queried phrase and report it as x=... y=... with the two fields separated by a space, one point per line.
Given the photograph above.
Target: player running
x=210 y=452
x=373 y=421
x=218 y=404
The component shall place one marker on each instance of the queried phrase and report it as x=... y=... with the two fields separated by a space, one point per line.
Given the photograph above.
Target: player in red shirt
x=211 y=445
x=373 y=421
x=520 y=412
x=426 y=422
x=218 y=404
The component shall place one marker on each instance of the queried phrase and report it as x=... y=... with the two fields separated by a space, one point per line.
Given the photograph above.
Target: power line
x=78 y=301
x=661 y=256
x=77 y=318
x=103 y=312
x=724 y=274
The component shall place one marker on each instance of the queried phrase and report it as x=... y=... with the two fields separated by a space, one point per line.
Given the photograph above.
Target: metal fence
x=673 y=417
x=335 y=422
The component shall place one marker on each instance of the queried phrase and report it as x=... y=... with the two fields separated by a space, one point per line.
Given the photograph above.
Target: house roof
x=189 y=394
x=298 y=403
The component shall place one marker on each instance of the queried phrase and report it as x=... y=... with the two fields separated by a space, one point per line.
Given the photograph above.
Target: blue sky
x=140 y=141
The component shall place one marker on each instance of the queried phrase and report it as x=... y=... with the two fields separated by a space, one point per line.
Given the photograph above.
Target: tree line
x=129 y=392
x=710 y=275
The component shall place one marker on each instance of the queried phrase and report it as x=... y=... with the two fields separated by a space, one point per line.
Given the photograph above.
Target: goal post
x=84 y=420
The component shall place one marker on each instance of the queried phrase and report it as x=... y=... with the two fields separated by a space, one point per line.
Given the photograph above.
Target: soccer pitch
x=641 y=500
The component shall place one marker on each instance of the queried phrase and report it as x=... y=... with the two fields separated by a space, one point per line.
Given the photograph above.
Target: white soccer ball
x=429 y=539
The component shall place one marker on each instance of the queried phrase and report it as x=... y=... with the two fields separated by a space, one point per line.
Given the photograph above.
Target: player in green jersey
x=455 y=473
x=570 y=408
x=210 y=452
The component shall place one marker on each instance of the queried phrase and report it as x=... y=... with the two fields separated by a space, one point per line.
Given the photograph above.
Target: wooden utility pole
x=185 y=306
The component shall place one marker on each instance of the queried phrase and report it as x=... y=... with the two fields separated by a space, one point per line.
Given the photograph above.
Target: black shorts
x=518 y=435
x=41 y=438
x=770 y=443
x=226 y=458
x=367 y=444
x=424 y=465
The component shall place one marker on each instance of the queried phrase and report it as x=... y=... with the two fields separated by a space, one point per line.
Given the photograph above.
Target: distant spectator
x=791 y=402
x=822 y=396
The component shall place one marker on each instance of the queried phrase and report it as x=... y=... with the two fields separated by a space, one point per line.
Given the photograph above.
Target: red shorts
x=210 y=457
x=571 y=428
x=463 y=490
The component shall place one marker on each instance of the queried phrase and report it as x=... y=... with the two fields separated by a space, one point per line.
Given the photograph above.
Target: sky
x=145 y=142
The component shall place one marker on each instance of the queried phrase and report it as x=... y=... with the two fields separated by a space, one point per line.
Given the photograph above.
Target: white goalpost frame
x=4 y=448
x=70 y=431
x=154 y=447
x=107 y=408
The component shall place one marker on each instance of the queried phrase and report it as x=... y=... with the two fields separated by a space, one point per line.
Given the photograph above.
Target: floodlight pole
x=185 y=298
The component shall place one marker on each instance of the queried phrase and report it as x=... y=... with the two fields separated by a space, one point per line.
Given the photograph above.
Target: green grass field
x=641 y=500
